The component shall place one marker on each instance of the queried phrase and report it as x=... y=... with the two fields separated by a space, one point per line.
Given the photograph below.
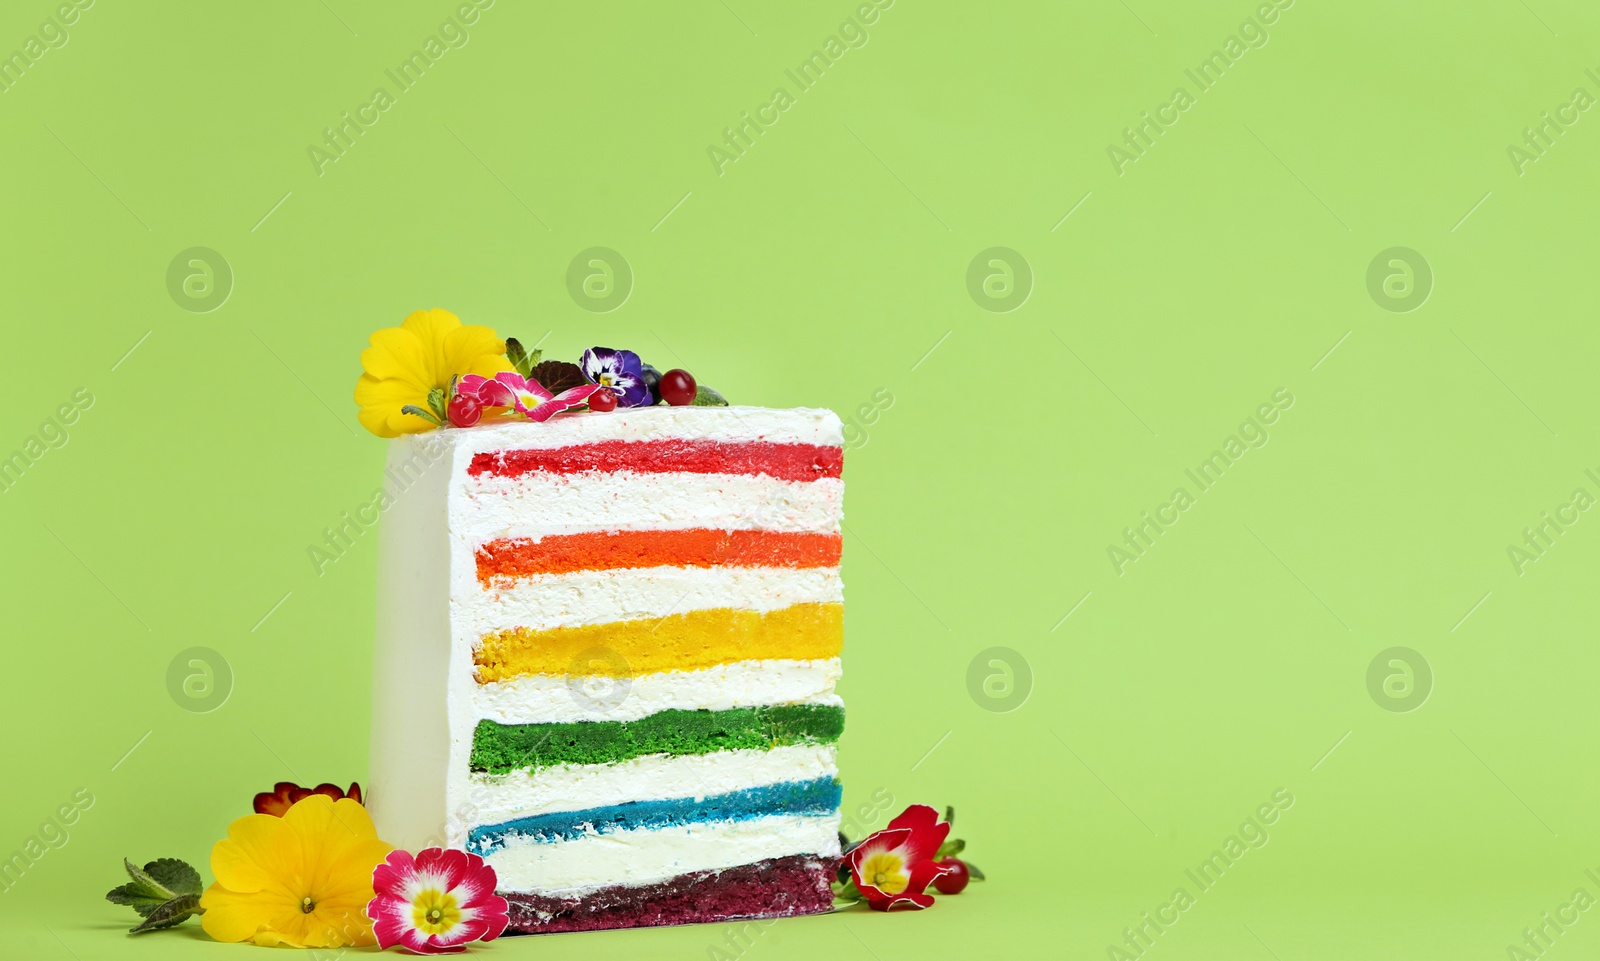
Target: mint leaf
x=174 y=875
x=706 y=397
x=170 y=914
x=437 y=401
x=164 y=892
x=972 y=869
x=144 y=893
x=950 y=814
x=141 y=901
x=523 y=361
x=950 y=849
x=847 y=892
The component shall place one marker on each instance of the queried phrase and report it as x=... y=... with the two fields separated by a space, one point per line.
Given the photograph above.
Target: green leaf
x=950 y=814
x=425 y=415
x=134 y=897
x=523 y=361
x=847 y=892
x=706 y=397
x=156 y=889
x=170 y=914
x=437 y=401
x=175 y=875
x=144 y=893
x=950 y=848
x=972 y=869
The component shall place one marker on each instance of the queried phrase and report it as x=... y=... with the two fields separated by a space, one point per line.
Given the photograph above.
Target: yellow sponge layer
x=679 y=642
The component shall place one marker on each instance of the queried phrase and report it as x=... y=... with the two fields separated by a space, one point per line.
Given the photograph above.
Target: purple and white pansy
x=619 y=371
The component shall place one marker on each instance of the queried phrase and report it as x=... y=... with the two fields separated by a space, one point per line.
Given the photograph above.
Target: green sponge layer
x=502 y=748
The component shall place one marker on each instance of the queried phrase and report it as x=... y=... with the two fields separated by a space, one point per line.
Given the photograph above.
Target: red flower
x=283 y=795
x=436 y=902
x=893 y=868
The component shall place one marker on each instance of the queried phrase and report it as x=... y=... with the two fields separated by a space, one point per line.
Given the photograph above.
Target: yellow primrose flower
x=302 y=880
x=405 y=363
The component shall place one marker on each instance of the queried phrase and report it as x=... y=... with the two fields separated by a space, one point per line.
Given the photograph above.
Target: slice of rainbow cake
x=606 y=658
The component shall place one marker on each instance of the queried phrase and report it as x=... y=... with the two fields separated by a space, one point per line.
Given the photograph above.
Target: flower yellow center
x=886 y=872
x=435 y=911
x=530 y=401
x=307 y=905
x=605 y=380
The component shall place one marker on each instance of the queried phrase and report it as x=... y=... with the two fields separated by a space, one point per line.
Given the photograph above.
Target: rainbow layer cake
x=607 y=652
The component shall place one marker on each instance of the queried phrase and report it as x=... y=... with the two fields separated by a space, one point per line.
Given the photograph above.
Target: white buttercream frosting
x=649 y=856
x=544 y=698
x=577 y=787
x=544 y=601
x=538 y=504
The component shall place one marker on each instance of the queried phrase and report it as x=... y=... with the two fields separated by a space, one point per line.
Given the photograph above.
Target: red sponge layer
x=792 y=462
x=777 y=888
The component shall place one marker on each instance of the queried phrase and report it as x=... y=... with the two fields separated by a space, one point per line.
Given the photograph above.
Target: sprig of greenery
x=438 y=402
x=521 y=359
x=424 y=414
x=164 y=892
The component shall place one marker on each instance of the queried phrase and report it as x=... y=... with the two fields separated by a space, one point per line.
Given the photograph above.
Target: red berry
x=464 y=410
x=603 y=400
x=956 y=881
x=678 y=387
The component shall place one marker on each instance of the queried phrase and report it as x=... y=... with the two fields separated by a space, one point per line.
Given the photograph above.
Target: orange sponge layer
x=697 y=547
x=680 y=642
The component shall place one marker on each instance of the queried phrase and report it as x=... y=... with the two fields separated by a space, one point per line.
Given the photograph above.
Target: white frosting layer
x=495 y=799
x=540 y=503
x=797 y=425
x=546 y=601
x=545 y=698
x=644 y=856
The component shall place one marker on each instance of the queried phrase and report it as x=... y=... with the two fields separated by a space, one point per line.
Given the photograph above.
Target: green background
x=828 y=264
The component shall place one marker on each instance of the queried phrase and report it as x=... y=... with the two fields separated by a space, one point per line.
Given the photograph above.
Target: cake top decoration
x=433 y=371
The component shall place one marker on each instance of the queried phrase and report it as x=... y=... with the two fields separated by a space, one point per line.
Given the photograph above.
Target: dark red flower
x=893 y=868
x=283 y=795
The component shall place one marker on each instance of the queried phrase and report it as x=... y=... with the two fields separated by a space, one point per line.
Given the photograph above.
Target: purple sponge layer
x=777 y=888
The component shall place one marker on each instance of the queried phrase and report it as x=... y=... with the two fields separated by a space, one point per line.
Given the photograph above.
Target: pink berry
x=464 y=410
x=678 y=387
x=603 y=400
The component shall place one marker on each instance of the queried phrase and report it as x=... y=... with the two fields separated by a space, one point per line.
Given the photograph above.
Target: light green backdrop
x=1167 y=298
